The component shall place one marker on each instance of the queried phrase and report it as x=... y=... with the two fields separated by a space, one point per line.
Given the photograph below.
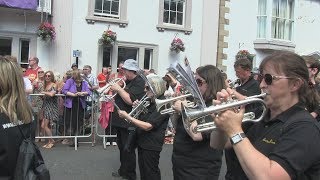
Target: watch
x=237 y=138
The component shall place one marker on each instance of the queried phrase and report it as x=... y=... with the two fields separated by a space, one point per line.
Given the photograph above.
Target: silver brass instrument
x=188 y=116
x=141 y=107
x=107 y=87
x=235 y=83
x=167 y=103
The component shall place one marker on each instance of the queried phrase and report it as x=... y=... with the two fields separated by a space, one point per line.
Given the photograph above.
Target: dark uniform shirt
x=197 y=156
x=135 y=88
x=291 y=139
x=153 y=139
x=10 y=140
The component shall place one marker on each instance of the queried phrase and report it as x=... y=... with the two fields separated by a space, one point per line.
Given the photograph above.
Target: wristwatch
x=237 y=138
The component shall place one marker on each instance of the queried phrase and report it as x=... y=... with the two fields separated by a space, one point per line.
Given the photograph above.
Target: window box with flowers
x=108 y=38
x=177 y=45
x=46 y=32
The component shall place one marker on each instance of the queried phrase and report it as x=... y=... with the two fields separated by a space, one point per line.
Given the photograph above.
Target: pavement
x=95 y=162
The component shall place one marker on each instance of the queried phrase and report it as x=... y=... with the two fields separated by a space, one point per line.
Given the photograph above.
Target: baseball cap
x=131 y=64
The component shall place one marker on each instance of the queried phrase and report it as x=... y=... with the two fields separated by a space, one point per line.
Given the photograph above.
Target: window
x=275 y=23
x=262 y=18
x=5 y=46
x=125 y=53
x=107 y=8
x=106 y=56
x=24 y=51
x=282 y=19
x=173 y=12
x=175 y=15
x=114 y=11
x=147 y=59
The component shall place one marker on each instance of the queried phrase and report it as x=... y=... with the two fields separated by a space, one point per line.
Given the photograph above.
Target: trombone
x=188 y=116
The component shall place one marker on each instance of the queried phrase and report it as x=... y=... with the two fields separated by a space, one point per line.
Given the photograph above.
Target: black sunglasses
x=147 y=88
x=200 y=82
x=268 y=78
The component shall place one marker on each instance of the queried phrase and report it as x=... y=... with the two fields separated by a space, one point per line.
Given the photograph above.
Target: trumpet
x=141 y=107
x=189 y=116
x=164 y=102
x=107 y=87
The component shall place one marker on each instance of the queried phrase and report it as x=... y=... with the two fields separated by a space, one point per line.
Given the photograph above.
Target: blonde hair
x=13 y=101
x=76 y=75
x=157 y=83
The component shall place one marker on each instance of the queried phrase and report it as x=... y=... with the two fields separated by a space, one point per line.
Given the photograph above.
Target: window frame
x=122 y=21
x=186 y=25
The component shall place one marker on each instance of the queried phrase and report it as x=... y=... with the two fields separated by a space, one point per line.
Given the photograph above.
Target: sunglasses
x=200 y=82
x=23 y=71
x=147 y=88
x=40 y=71
x=268 y=78
x=48 y=75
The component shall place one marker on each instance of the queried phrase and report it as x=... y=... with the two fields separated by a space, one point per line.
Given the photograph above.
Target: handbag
x=30 y=164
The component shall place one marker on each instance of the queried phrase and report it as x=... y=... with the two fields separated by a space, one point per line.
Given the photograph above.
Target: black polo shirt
x=153 y=139
x=195 y=155
x=135 y=88
x=292 y=139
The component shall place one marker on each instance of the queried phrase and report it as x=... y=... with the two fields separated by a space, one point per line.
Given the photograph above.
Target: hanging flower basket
x=46 y=32
x=244 y=54
x=177 y=45
x=108 y=38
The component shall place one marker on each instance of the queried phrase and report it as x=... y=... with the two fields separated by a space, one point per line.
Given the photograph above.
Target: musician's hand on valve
x=123 y=114
x=135 y=103
x=229 y=121
x=115 y=87
x=177 y=105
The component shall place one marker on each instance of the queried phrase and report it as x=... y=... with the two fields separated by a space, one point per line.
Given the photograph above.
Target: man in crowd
x=32 y=71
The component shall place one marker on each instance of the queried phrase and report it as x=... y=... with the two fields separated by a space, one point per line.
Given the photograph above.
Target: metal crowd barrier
x=87 y=127
x=63 y=127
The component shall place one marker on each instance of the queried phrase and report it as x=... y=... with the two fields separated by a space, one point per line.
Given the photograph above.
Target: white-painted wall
x=243 y=30
x=143 y=18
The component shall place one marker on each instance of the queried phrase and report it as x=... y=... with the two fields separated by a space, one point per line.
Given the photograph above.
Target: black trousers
x=149 y=164
x=127 y=159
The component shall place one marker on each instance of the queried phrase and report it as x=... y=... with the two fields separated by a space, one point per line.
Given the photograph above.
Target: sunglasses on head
x=268 y=78
x=40 y=71
x=200 y=82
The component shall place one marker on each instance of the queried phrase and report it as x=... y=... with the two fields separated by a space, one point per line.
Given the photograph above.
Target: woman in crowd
x=285 y=144
x=151 y=130
x=192 y=157
x=14 y=111
x=313 y=68
x=75 y=89
x=50 y=106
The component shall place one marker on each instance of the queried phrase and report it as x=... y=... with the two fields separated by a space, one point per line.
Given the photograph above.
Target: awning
x=21 y=4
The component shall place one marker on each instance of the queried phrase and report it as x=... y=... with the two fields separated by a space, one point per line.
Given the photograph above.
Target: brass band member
x=151 y=130
x=192 y=157
x=125 y=97
x=285 y=144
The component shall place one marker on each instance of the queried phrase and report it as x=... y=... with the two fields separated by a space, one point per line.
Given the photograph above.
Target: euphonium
x=189 y=116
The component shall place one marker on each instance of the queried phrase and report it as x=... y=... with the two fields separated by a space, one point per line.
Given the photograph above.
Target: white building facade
x=263 y=26
x=144 y=30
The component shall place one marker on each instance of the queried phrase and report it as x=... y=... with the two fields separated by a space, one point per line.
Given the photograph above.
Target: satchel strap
x=24 y=137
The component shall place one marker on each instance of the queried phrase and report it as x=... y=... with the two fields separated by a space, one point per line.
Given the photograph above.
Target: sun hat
x=131 y=64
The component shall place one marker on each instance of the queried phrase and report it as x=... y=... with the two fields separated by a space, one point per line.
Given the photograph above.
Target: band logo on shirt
x=271 y=141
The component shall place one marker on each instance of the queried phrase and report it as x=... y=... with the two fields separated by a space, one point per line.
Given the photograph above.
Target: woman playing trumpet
x=285 y=144
x=192 y=157
x=150 y=131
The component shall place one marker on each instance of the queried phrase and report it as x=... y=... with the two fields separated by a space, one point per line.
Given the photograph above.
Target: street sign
x=76 y=53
